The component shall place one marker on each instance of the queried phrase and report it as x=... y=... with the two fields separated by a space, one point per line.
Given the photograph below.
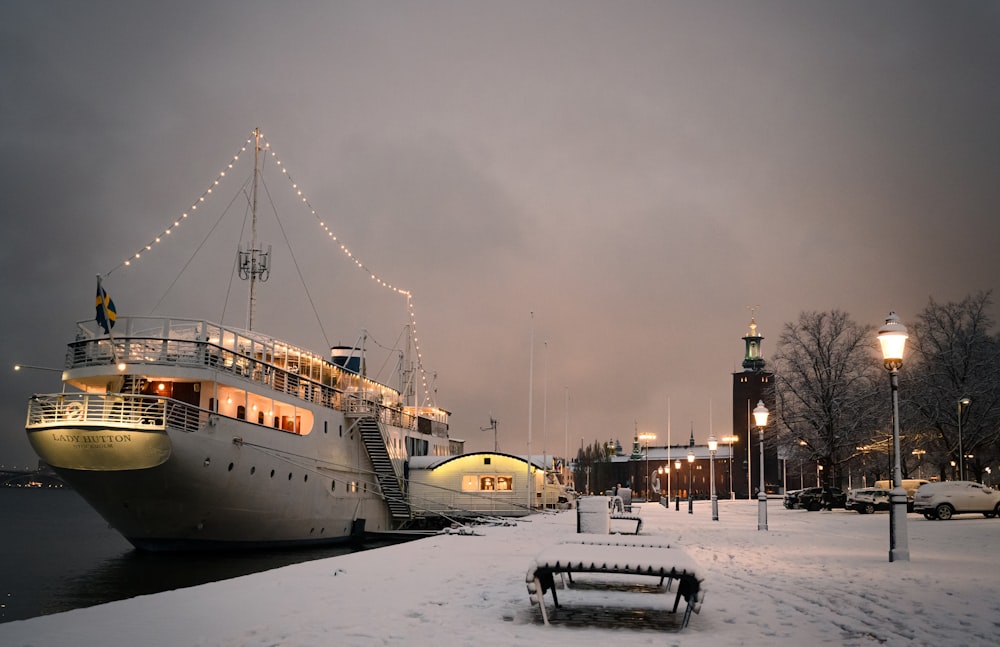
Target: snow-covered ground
x=814 y=578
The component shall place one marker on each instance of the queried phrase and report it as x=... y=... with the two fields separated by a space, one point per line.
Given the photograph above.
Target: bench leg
x=540 y=599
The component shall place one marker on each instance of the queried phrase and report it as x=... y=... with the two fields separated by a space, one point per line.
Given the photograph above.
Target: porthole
x=289 y=476
x=333 y=486
x=305 y=478
x=208 y=461
x=272 y=473
x=253 y=469
x=230 y=467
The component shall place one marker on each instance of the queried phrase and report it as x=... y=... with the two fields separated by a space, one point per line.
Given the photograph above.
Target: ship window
x=253 y=469
x=505 y=483
x=486 y=461
x=230 y=467
x=333 y=486
x=260 y=417
x=272 y=473
x=241 y=412
x=487 y=483
x=470 y=483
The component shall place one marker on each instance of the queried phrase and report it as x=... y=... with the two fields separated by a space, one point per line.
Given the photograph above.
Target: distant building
x=752 y=385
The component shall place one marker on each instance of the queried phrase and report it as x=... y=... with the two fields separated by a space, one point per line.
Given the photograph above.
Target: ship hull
x=227 y=485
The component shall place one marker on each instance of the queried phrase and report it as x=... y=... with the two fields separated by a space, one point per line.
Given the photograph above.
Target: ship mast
x=254 y=263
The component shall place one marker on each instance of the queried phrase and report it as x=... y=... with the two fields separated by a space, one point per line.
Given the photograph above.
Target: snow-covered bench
x=625 y=516
x=624 y=555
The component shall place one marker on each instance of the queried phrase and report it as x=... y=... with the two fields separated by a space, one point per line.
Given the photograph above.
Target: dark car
x=816 y=498
x=791 y=498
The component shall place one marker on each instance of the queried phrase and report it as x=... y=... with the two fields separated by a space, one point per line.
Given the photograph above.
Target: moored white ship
x=185 y=433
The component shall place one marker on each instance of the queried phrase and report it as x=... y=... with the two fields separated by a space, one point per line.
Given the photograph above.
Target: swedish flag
x=106 y=313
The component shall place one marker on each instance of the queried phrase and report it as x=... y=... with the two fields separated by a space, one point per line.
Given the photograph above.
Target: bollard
x=677 y=502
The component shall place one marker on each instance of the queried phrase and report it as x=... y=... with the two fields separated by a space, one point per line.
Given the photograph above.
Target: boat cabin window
x=487 y=483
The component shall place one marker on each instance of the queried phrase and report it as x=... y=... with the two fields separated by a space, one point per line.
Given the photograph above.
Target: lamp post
x=760 y=413
x=964 y=402
x=690 y=481
x=677 y=498
x=731 y=440
x=713 y=446
x=647 y=438
x=892 y=337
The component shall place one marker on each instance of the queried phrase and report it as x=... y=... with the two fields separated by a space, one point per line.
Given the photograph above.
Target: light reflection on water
x=57 y=554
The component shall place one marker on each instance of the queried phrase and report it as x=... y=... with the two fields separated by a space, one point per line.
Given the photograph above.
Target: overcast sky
x=635 y=174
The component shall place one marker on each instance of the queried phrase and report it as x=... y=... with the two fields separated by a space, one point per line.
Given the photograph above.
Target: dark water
x=57 y=554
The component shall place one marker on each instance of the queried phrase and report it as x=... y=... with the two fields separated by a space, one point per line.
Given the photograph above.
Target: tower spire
x=752 y=360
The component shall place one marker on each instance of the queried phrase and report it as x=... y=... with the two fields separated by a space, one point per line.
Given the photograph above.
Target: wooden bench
x=626 y=556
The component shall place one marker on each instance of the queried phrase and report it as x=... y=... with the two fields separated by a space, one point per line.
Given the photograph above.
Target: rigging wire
x=193 y=254
x=295 y=262
x=418 y=360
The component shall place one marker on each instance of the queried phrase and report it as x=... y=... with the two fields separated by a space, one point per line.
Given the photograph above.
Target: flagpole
x=108 y=324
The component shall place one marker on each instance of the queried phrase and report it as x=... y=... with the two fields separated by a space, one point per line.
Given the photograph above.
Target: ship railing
x=280 y=367
x=117 y=410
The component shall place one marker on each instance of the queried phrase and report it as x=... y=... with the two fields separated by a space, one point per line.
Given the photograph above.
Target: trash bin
x=593 y=515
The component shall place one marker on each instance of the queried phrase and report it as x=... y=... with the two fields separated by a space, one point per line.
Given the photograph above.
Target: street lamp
x=690 y=481
x=964 y=402
x=760 y=418
x=919 y=453
x=713 y=446
x=677 y=498
x=892 y=337
x=731 y=440
x=647 y=438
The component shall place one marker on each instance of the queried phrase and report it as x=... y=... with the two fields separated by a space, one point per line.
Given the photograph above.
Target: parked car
x=945 y=499
x=816 y=498
x=791 y=498
x=868 y=500
x=910 y=485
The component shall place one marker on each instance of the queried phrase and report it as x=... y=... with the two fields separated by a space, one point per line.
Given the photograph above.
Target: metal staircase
x=388 y=479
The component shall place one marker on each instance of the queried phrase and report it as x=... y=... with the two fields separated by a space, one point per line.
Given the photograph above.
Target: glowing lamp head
x=713 y=444
x=677 y=464
x=892 y=337
x=760 y=414
x=690 y=456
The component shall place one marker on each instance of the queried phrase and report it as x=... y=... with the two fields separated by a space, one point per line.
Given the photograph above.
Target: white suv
x=947 y=498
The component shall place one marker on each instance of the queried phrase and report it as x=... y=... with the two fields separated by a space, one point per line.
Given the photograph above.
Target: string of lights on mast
x=266 y=147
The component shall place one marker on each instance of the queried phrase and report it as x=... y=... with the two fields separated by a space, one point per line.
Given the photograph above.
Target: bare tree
x=827 y=387
x=954 y=356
